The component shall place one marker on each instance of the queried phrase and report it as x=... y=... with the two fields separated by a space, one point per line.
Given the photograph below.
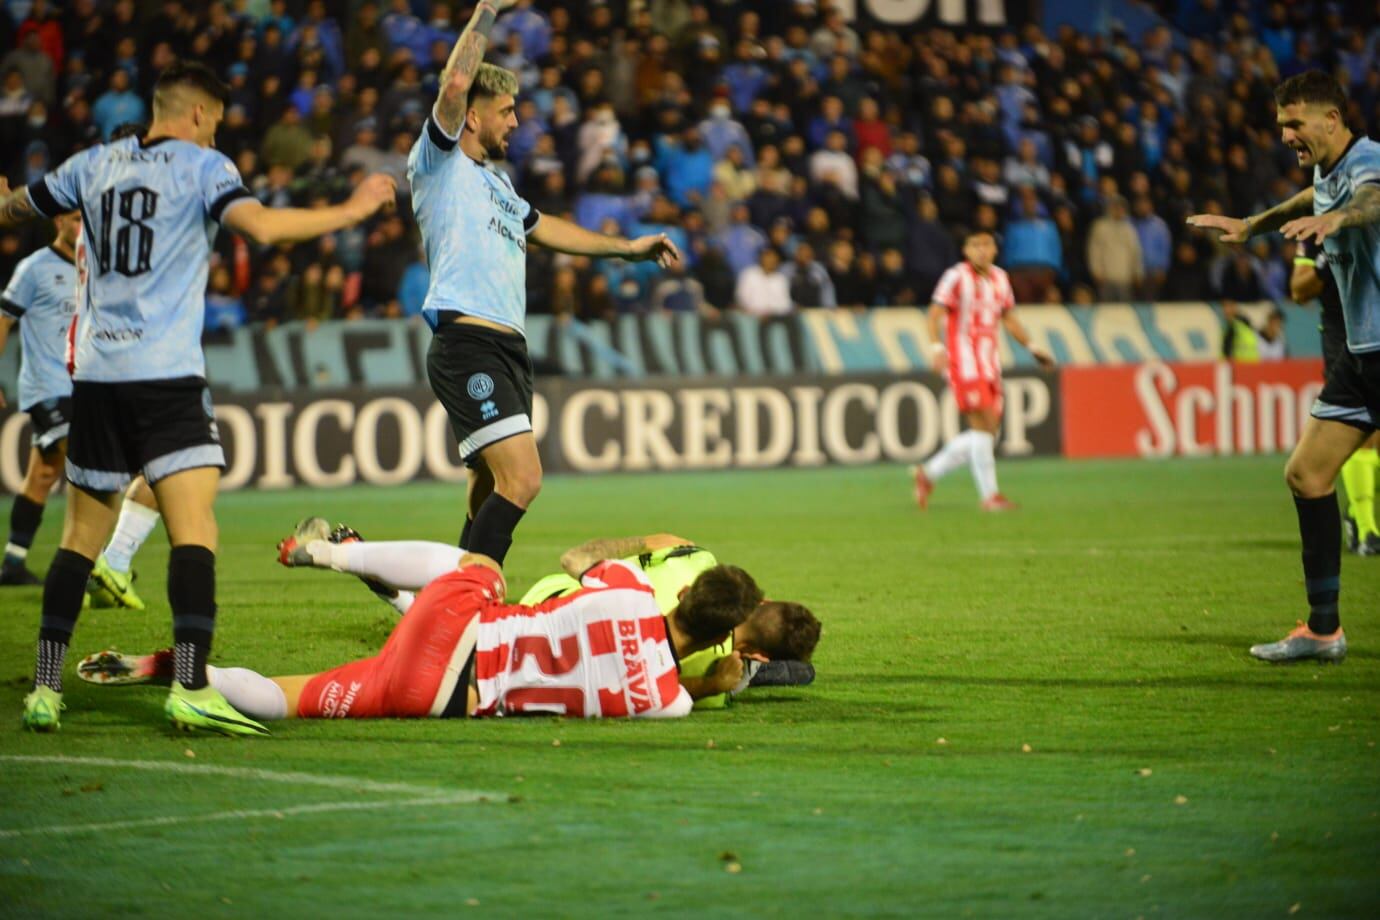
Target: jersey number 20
x=134 y=239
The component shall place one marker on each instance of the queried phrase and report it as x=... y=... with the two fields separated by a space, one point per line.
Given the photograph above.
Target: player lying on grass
x=605 y=651
x=774 y=645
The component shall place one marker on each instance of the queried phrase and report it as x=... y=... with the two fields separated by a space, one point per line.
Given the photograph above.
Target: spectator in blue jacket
x=1033 y=255
x=685 y=165
x=1156 y=246
x=740 y=241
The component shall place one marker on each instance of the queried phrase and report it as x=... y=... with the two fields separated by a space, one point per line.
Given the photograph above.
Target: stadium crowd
x=797 y=161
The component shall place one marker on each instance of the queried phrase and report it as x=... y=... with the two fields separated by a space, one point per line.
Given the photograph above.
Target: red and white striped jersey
x=601 y=652
x=975 y=305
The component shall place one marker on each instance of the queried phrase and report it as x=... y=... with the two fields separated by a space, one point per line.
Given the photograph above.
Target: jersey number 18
x=134 y=239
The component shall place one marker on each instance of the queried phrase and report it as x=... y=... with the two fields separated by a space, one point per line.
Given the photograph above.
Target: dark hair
x=193 y=75
x=127 y=129
x=718 y=600
x=969 y=234
x=785 y=631
x=1312 y=87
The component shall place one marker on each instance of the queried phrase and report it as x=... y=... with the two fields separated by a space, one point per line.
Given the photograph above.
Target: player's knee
x=1305 y=482
x=40 y=479
x=524 y=487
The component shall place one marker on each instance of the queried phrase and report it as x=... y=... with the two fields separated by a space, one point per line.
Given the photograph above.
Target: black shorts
x=483 y=377
x=154 y=427
x=50 y=420
x=1351 y=392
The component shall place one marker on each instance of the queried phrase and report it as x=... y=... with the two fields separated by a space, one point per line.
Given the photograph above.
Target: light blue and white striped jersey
x=474 y=226
x=42 y=295
x=1353 y=253
x=149 y=216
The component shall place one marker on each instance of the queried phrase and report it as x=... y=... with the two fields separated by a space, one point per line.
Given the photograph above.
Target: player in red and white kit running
x=973 y=296
x=605 y=651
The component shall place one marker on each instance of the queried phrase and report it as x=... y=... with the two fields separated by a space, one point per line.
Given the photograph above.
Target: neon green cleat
x=41 y=710
x=108 y=587
x=207 y=710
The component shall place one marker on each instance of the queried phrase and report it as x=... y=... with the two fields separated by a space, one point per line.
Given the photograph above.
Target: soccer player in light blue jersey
x=476 y=229
x=40 y=298
x=150 y=207
x=1341 y=211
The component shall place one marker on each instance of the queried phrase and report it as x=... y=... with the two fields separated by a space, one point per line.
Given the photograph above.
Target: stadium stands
x=875 y=146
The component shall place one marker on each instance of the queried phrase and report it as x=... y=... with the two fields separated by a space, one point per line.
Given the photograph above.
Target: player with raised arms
x=1340 y=211
x=475 y=228
x=971 y=298
x=605 y=651
x=150 y=205
x=772 y=647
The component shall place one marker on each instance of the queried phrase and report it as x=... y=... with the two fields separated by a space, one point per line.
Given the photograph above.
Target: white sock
x=409 y=565
x=984 y=463
x=950 y=457
x=135 y=524
x=250 y=692
x=402 y=601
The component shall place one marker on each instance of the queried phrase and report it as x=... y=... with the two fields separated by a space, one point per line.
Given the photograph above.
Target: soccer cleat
x=1303 y=643
x=1370 y=546
x=344 y=533
x=118 y=587
x=18 y=575
x=293 y=549
x=923 y=487
x=113 y=669
x=1351 y=534
x=785 y=673
x=207 y=710
x=42 y=708
x=998 y=502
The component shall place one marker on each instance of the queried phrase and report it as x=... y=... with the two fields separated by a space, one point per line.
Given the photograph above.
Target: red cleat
x=998 y=502
x=923 y=487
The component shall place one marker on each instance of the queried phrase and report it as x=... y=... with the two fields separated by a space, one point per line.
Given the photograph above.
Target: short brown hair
x=718 y=600
x=1312 y=87
x=191 y=75
x=785 y=631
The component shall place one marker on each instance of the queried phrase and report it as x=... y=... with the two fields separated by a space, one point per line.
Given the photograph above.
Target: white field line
x=417 y=795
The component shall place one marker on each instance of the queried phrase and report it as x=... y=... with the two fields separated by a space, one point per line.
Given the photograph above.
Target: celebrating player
x=605 y=651
x=972 y=296
x=1342 y=212
x=476 y=229
x=139 y=399
x=771 y=648
x=1312 y=279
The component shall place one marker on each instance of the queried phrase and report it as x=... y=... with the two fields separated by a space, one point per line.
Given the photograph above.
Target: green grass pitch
x=1108 y=748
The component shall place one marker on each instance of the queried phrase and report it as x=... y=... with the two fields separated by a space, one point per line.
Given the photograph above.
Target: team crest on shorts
x=480 y=386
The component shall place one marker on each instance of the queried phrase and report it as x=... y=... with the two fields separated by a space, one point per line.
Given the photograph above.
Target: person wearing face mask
x=720 y=132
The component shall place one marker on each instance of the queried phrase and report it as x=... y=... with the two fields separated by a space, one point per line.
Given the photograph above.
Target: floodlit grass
x=1049 y=713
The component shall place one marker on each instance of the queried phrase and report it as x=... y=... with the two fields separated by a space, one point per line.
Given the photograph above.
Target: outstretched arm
x=464 y=60
x=1018 y=332
x=579 y=559
x=564 y=236
x=15 y=207
x=1363 y=209
x=283 y=225
x=1239 y=230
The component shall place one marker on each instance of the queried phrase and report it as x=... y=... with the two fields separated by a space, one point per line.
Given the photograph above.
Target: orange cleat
x=998 y=502
x=923 y=487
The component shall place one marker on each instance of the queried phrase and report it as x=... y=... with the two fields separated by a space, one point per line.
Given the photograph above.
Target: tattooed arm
x=579 y=559
x=15 y=207
x=1361 y=210
x=1239 y=230
x=464 y=60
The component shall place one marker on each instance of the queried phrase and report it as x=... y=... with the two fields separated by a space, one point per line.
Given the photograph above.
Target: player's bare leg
x=26 y=514
x=515 y=467
x=1311 y=473
x=479 y=488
